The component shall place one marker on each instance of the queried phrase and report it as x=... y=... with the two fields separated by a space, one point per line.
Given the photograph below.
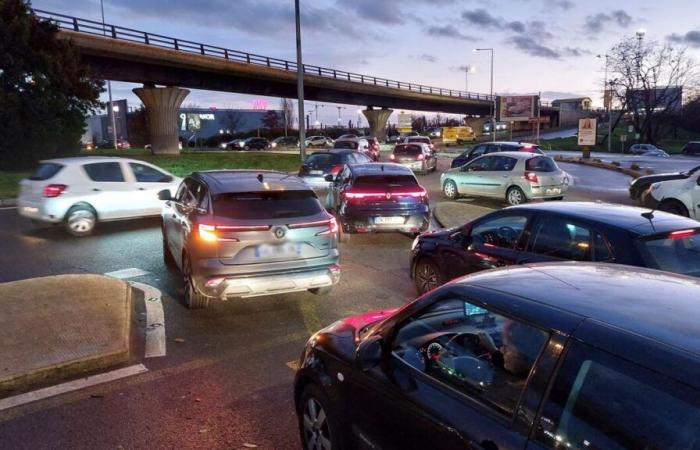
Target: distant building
x=573 y=104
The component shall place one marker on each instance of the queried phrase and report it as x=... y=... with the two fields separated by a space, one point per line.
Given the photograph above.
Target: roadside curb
x=451 y=214
x=8 y=202
x=602 y=165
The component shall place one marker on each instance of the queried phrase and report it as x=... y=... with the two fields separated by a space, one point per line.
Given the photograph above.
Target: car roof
x=519 y=144
x=628 y=218
x=224 y=181
x=379 y=169
x=658 y=305
x=79 y=160
x=350 y=139
x=517 y=155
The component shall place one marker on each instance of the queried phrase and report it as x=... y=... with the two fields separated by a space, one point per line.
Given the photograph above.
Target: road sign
x=405 y=121
x=630 y=129
x=623 y=137
x=586 y=131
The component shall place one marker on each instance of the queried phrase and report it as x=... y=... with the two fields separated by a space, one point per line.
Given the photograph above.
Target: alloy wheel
x=515 y=197
x=316 y=430
x=450 y=189
x=81 y=221
x=426 y=278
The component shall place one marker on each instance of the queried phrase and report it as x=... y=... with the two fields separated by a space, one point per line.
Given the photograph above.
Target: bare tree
x=287 y=108
x=647 y=81
x=231 y=120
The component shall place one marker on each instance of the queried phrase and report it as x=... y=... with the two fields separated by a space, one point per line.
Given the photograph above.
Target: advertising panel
x=517 y=108
x=586 y=132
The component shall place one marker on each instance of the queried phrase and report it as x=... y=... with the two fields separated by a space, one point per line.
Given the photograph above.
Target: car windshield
x=679 y=252
x=691 y=171
x=382 y=181
x=541 y=164
x=266 y=205
x=45 y=171
x=419 y=139
x=407 y=150
x=321 y=159
x=346 y=144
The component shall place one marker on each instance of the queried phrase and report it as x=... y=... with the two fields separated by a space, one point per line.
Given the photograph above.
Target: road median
x=454 y=214
x=59 y=327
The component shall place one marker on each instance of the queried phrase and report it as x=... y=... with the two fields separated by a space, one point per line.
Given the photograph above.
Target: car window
x=320 y=159
x=104 y=172
x=559 y=238
x=479 y=164
x=477 y=151
x=181 y=191
x=504 y=231
x=600 y=401
x=266 y=205
x=46 y=171
x=146 y=174
x=484 y=355
x=491 y=148
x=408 y=150
x=502 y=163
x=384 y=181
x=345 y=144
x=541 y=164
x=679 y=252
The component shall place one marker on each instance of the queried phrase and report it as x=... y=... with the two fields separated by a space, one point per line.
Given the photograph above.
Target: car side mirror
x=474 y=241
x=165 y=195
x=329 y=178
x=369 y=353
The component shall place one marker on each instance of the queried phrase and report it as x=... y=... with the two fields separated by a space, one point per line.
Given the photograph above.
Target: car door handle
x=142 y=189
x=95 y=190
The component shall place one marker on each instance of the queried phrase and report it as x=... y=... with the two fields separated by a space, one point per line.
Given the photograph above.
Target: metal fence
x=127 y=34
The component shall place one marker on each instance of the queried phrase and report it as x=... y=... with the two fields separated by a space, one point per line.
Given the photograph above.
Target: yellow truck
x=457 y=135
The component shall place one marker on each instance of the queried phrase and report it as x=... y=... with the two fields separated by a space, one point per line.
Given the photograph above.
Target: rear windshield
x=45 y=171
x=266 y=205
x=382 y=181
x=419 y=139
x=346 y=144
x=323 y=159
x=678 y=253
x=541 y=164
x=411 y=150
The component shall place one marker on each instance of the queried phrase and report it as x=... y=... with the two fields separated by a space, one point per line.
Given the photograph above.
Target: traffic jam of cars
x=542 y=324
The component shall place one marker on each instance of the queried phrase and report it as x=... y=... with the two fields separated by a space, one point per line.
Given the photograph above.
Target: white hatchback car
x=680 y=196
x=81 y=191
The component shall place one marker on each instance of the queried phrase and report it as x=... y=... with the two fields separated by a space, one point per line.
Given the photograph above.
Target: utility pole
x=300 y=84
x=608 y=102
x=110 y=110
x=539 y=106
x=493 y=106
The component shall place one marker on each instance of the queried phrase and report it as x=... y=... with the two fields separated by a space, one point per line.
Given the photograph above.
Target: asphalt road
x=228 y=382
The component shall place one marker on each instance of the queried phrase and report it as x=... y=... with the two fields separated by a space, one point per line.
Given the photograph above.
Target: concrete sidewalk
x=454 y=214
x=58 y=327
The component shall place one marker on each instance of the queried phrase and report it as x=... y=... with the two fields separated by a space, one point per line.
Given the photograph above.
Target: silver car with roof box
x=240 y=233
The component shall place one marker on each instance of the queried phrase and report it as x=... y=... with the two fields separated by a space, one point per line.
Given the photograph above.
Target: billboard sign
x=516 y=108
x=405 y=122
x=586 y=132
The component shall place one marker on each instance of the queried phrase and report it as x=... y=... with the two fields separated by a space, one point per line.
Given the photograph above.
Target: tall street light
x=609 y=101
x=467 y=71
x=300 y=85
x=493 y=110
x=110 y=110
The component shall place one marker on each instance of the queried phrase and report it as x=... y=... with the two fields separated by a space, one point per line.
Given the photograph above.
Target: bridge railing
x=127 y=34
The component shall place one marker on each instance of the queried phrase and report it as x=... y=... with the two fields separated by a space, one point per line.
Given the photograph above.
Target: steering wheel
x=508 y=233
x=483 y=347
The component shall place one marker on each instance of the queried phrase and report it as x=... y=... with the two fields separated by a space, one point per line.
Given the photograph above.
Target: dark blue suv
x=548 y=356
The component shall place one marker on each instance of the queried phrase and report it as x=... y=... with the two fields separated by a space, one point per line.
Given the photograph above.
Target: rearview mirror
x=164 y=195
x=369 y=353
x=329 y=178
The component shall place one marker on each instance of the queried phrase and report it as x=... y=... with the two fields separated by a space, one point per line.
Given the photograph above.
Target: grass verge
x=671 y=145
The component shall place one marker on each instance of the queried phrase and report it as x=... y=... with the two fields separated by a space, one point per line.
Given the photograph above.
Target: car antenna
x=260 y=177
x=650 y=215
x=382 y=167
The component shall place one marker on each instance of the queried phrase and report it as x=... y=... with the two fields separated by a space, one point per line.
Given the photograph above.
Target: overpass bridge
x=124 y=54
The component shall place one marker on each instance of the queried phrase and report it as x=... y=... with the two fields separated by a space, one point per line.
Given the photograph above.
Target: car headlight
x=241 y=144
x=415 y=243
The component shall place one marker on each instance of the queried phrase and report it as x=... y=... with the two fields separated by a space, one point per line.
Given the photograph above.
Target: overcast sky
x=540 y=45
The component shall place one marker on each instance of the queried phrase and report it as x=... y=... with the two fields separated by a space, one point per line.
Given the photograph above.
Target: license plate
x=553 y=191
x=316 y=172
x=388 y=220
x=416 y=166
x=277 y=251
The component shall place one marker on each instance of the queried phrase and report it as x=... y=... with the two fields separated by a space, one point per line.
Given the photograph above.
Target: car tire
x=325 y=290
x=515 y=196
x=343 y=235
x=450 y=190
x=168 y=259
x=80 y=220
x=427 y=276
x=247 y=147
x=674 y=207
x=318 y=420
x=193 y=298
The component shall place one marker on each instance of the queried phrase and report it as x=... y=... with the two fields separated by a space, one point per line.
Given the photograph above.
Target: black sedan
x=319 y=165
x=575 y=231
x=493 y=147
x=548 y=356
x=640 y=185
x=256 y=143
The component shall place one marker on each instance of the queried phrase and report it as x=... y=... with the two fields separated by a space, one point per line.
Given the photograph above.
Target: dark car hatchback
x=576 y=231
x=493 y=147
x=548 y=356
x=378 y=197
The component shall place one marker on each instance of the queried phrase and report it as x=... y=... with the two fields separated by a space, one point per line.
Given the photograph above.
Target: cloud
x=482 y=18
x=384 y=12
x=575 y=51
x=562 y=4
x=448 y=31
x=428 y=58
x=532 y=47
x=691 y=38
x=596 y=23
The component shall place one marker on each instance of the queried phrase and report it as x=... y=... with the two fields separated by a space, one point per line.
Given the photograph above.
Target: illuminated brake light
x=680 y=234
x=392 y=157
x=531 y=177
x=54 y=190
x=421 y=157
x=337 y=168
x=207 y=233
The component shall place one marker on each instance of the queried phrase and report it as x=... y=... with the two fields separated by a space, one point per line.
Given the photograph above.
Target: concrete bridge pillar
x=162 y=106
x=377 y=119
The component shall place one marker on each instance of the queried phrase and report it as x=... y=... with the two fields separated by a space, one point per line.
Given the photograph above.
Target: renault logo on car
x=279 y=233
x=388 y=195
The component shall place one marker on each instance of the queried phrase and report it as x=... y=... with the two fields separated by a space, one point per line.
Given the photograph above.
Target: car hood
x=648 y=179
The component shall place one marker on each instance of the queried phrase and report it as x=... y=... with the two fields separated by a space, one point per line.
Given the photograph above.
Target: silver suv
x=239 y=233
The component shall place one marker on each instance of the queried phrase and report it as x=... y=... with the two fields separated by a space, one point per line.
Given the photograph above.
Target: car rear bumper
x=544 y=192
x=41 y=211
x=415 y=166
x=413 y=222
x=318 y=182
x=226 y=282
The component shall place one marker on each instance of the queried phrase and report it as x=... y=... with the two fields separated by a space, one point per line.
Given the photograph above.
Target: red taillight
x=531 y=177
x=421 y=157
x=680 y=234
x=330 y=223
x=212 y=233
x=432 y=146
x=337 y=168
x=392 y=157
x=54 y=190
x=302 y=168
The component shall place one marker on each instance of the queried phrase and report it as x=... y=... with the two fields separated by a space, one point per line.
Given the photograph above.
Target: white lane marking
x=126 y=273
x=7 y=207
x=70 y=386
x=155 y=320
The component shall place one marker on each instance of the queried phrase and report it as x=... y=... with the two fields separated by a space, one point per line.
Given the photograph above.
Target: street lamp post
x=359 y=117
x=467 y=71
x=300 y=85
x=110 y=110
x=609 y=100
x=493 y=110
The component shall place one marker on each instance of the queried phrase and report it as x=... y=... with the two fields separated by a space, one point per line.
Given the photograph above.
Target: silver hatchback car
x=238 y=233
x=517 y=177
